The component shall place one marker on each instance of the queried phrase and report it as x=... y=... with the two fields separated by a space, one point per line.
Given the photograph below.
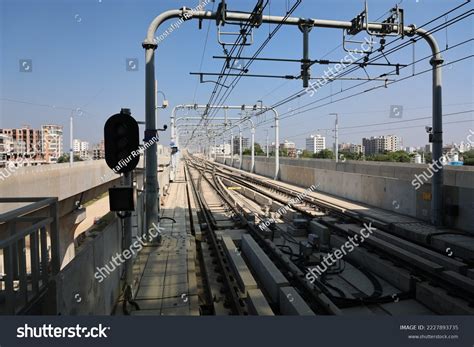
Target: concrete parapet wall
x=58 y=180
x=78 y=292
x=381 y=184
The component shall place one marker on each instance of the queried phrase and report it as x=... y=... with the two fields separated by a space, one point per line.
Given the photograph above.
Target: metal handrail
x=23 y=286
x=22 y=234
x=38 y=203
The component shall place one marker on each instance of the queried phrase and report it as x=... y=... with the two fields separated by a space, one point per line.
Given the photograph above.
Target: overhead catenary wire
x=242 y=35
x=322 y=57
x=401 y=46
x=391 y=51
x=293 y=114
x=303 y=108
x=397 y=39
x=203 y=54
x=373 y=88
x=233 y=84
x=219 y=84
x=226 y=95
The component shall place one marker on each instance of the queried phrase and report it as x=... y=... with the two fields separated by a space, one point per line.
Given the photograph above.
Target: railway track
x=395 y=269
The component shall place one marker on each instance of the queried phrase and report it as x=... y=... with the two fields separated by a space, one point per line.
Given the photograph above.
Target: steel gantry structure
x=226 y=127
x=261 y=109
x=150 y=45
x=210 y=132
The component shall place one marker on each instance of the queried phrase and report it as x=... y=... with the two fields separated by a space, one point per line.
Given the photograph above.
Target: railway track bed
x=387 y=274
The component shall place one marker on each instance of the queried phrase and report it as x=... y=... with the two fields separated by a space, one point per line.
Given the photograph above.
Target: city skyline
x=81 y=146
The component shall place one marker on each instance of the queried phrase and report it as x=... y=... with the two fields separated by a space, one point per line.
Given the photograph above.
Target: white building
x=418 y=159
x=381 y=144
x=76 y=145
x=223 y=149
x=6 y=148
x=463 y=147
x=315 y=143
x=81 y=148
x=290 y=148
x=359 y=149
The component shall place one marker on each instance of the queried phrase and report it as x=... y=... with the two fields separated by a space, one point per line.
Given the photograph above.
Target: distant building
x=315 y=143
x=245 y=144
x=418 y=158
x=36 y=146
x=98 y=151
x=449 y=148
x=454 y=147
x=81 y=149
x=381 y=144
x=290 y=148
x=464 y=147
x=27 y=141
x=52 y=142
x=344 y=146
x=428 y=148
x=271 y=148
x=6 y=148
x=221 y=150
x=76 y=146
x=358 y=149
x=351 y=148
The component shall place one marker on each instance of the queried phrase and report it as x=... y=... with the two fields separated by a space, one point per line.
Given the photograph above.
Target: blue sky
x=79 y=49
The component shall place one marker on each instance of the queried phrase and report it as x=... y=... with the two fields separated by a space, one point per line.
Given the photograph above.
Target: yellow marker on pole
x=234 y=188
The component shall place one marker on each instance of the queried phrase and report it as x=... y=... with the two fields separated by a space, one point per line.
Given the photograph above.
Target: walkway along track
x=428 y=270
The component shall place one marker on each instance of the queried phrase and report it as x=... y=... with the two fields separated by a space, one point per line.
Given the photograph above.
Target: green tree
x=468 y=157
x=398 y=156
x=324 y=154
x=306 y=154
x=350 y=156
x=257 y=148
x=65 y=158
x=428 y=157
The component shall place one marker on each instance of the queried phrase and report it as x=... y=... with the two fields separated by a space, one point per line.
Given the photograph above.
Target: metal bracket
x=245 y=41
x=149 y=45
x=201 y=80
x=257 y=16
x=358 y=24
x=185 y=11
x=395 y=20
x=392 y=26
x=305 y=27
x=436 y=61
x=368 y=41
x=221 y=13
x=255 y=21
